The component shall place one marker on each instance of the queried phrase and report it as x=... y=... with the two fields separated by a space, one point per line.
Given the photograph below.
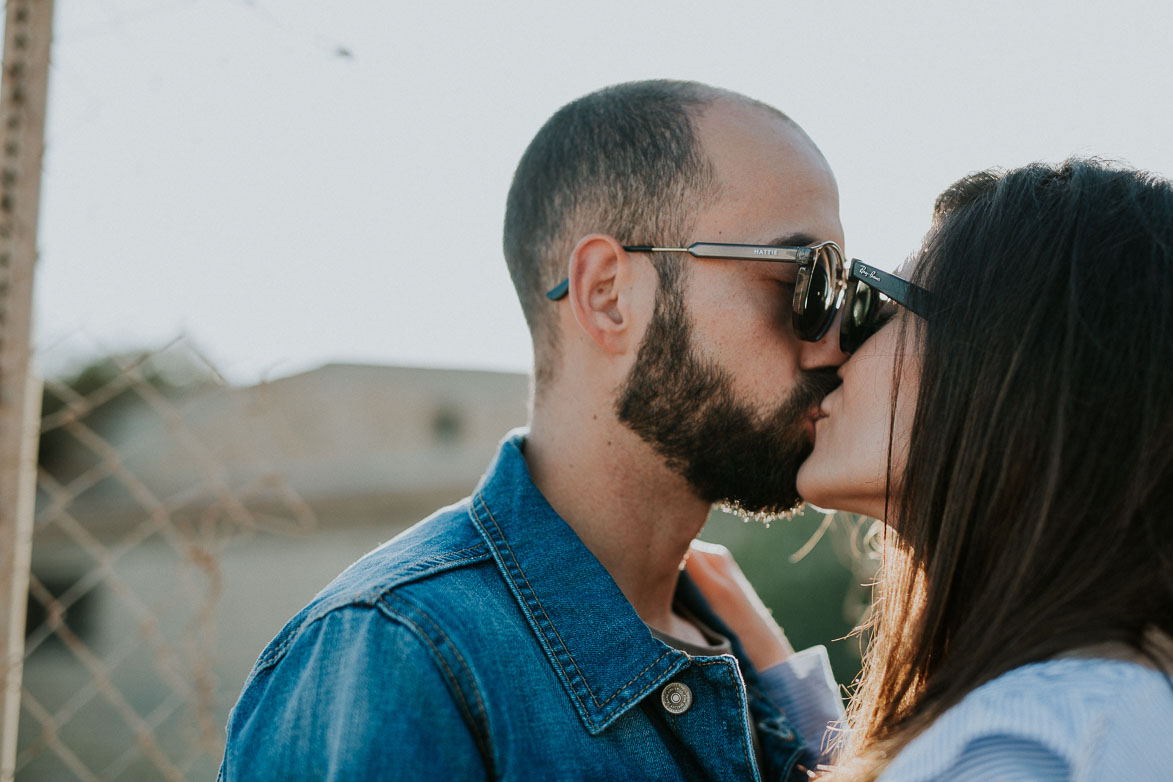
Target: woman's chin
x=830 y=489
x=811 y=483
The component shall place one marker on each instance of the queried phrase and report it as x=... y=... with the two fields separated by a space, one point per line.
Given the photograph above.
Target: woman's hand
x=714 y=571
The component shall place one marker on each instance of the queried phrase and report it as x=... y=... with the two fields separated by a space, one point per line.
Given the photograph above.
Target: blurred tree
x=819 y=598
x=101 y=392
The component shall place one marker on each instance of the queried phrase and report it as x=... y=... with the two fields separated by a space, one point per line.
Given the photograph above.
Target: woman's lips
x=825 y=411
x=815 y=415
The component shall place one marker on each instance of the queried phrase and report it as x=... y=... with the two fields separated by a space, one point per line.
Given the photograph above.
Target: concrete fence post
x=27 y=35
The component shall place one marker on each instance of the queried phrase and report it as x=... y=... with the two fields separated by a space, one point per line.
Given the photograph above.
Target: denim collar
x=596 y=643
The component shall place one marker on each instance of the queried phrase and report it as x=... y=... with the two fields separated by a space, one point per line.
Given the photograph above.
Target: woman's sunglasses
x=872 y=296
x=818 y=284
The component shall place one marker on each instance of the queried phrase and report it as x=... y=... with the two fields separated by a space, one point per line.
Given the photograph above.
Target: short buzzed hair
x=624 y=161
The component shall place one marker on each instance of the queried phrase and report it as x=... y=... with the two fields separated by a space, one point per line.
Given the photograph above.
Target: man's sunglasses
x=871 y=298
x=818 y=283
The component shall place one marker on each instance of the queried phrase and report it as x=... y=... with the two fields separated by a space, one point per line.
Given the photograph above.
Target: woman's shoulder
x=1073 y=718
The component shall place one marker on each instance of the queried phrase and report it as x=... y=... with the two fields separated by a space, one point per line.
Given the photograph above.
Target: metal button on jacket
x=676 y=697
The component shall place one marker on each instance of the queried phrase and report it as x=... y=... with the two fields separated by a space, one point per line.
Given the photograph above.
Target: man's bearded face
x=684 y=405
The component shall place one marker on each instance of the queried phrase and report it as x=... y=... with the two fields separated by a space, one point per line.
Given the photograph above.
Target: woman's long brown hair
x=1035 y=513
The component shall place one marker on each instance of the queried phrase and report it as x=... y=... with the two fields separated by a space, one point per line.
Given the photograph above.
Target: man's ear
x=600 y=291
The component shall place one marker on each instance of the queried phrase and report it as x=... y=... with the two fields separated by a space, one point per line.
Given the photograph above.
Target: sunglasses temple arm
x=912 y=297
x=743 y=252
x=918 y=300
x=559 y=291
x=906 y=294
x=710 y=250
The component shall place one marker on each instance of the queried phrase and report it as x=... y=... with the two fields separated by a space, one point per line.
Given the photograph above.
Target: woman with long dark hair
x=1012 y=424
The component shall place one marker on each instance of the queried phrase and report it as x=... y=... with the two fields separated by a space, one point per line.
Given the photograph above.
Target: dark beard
x=685 y=407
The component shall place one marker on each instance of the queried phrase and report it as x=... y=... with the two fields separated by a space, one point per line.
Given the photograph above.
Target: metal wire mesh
x=119 y=679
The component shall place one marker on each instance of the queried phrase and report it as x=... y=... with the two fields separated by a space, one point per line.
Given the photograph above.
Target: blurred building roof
x=349 y=440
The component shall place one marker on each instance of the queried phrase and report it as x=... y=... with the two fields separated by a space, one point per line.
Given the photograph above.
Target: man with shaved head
x=543 y=628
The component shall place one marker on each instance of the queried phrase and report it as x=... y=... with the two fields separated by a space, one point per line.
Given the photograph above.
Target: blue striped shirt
x=805 y=689
x=1066 y=719
x=1063 y=719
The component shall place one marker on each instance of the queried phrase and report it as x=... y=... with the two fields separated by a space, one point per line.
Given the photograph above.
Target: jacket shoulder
x=393 y=687
x=443 y=542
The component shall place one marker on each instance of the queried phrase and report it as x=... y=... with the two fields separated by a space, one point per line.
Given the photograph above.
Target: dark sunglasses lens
x=860 y=317
x=815 y=299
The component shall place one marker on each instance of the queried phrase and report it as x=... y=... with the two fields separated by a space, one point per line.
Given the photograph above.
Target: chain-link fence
x=134 y=513
x=181 y=520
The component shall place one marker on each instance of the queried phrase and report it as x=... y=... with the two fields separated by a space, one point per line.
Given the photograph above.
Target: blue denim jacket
x=487 y=642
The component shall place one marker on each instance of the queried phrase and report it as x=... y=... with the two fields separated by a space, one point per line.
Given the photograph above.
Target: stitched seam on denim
x=431 y=562
x=562 y=643
x=464 y=707
x=745 y=706
x=533 y=595
x=456 y=651
x=650 y=686
x=556 y=633
x=366 y=598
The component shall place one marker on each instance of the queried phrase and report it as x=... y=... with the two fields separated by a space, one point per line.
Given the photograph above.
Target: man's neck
x=634 y=514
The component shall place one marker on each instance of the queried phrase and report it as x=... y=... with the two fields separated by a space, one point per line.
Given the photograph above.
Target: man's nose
x=825 y=352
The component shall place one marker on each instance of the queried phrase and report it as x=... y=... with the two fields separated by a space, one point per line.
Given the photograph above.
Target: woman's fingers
x=729 y=593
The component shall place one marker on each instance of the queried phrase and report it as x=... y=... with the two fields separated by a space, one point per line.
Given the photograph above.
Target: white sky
x=220 y=169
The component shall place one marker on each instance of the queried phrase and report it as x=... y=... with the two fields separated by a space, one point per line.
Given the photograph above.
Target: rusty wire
x=194 y=523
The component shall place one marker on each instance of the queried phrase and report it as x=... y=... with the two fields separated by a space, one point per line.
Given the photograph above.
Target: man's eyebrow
x=793 y=240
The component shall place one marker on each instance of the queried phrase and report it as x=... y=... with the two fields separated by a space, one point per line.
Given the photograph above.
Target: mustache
x=811 y=387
